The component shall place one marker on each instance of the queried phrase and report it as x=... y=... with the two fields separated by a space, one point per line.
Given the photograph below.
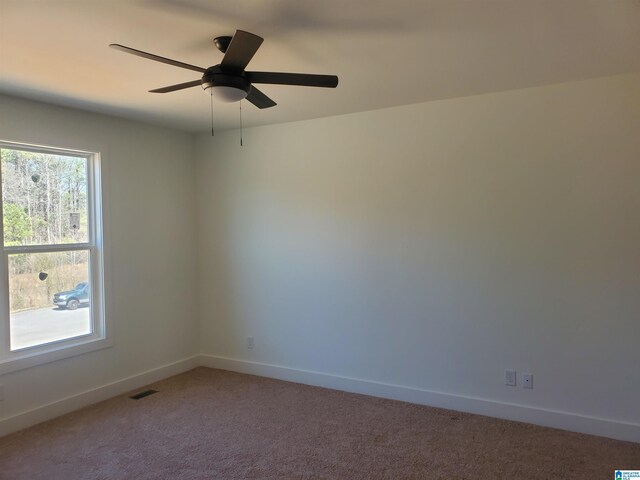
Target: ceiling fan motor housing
x=214 y=78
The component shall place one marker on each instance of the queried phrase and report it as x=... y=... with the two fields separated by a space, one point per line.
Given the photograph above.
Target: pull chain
x=211 y=93
x=240 y=122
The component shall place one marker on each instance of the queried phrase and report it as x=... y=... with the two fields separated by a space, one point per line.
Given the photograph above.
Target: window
x=52 y=262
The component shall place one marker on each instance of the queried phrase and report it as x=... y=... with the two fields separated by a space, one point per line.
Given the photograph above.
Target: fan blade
x=259 y=99
x=242 y=48
x=157 y=58
x=302 y=79
x=179 y=86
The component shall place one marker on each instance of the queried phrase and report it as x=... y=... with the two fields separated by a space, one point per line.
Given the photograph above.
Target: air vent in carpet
x=140 y=395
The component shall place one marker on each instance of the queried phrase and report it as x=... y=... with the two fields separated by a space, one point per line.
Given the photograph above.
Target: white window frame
x=101 y=333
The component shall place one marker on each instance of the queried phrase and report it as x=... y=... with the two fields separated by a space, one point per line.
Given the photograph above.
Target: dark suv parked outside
x=72 y=299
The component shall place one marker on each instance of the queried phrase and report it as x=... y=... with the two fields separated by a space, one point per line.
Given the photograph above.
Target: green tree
x=17 y=226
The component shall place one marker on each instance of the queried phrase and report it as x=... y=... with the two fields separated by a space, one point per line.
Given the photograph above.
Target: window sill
x=33 y=357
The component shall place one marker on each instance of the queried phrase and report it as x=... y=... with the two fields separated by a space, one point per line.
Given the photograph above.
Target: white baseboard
x=509 y=411
x=522 y=413
x=74 y=402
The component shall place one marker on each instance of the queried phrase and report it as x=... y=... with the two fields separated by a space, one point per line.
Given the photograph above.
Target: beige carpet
x=211 y=424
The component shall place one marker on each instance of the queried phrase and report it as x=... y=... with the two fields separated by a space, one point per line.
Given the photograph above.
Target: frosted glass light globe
x=228 y=94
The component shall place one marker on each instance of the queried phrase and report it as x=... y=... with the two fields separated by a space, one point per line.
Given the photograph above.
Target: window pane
x=44 y=198
x=49 y=297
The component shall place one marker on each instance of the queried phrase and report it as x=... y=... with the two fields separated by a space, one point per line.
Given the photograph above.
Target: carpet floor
x=213 y=424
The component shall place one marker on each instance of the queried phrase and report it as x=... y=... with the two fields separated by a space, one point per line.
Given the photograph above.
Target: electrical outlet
x=1 y=393
x=251 y=342
x=527 y=380
x=510 y=378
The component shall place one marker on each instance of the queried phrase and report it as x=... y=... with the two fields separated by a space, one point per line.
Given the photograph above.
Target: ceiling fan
x=229 y=80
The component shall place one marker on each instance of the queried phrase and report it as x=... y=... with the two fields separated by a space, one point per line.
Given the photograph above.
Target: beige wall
x=435 y=245
x=151 y=225
x=429 y=246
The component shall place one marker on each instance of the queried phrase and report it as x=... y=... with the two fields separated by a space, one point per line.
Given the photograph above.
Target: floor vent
x=140 y=395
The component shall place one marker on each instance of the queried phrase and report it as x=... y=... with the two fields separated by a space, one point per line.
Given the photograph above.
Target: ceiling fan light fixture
x=225 y=87
x=228 y=94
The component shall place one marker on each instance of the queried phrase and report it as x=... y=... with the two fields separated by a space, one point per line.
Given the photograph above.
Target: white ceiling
x=386 y=52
